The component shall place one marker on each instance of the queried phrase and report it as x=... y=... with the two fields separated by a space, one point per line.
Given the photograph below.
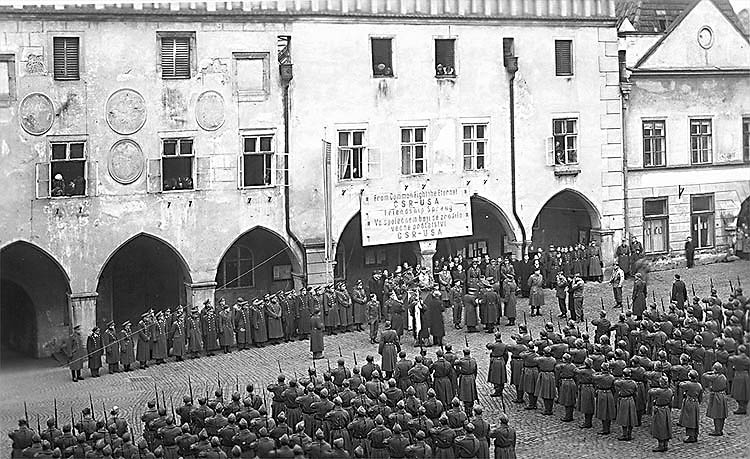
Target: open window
x=445 y=57
x=351 y=151
x=382 y=57
x=177 y=164
x=413 y=150
x=256 y=161
x=565 y=141
x=67 y=168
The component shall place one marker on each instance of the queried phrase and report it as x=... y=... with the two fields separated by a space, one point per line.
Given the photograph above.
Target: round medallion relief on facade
x=36 y=113
x=126 y=111
x=126 y=161
x=209 y=110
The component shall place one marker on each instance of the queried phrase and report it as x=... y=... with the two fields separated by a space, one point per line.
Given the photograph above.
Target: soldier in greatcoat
x=209 y=326
x=143 y=351
x=94 y=351
x=373 y=317
x=226 y=326
x=489 y=306
x=111 y=348
x=536 y=293
x=177 y=332
x=330 y=310
x=434 y=307
x=470 y=309
x=306 y=304
x=388 y=349
x=289 y=314
x=127 y=348
x=273 y=314
x=344 y=306
x=194 y=333
x=316 y=335
x=76 y=353
x=359 y=305
x=498 y=374
x=692 y=394
x=243 y=324
x=661 y=423
x=260 y=328
x=466 y=371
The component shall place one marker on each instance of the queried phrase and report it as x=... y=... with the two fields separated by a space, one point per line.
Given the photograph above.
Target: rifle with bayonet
x=55 y=400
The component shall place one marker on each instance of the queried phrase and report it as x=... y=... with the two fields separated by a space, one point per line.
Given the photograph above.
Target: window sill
x=445 y=77
x=380 y=77
x=77 y=196
x=175 y=78
x=690 y=166
x=259 y=96
x=256 y=187
x=350 y=181
x=178 y=191
x=562 y=170
x=415 y=175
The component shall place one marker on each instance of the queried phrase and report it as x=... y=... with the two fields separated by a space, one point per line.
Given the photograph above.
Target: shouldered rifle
x=466 y=340
x=279 y=364
x=662 y=304
x=156 y=392
x=26 y=412
x=731 y=287
x=653 y=296
x=711 y=281
x=218 y=379
x=340 y=354
x=236 y=383
x=525 y=322
x=600 y=299
x=329 y=365
x=739 y=282
x=171 y=404
x=55 y=400
x=692 y=286
x=91 y=403
x=190 y=387
x=163 y=400
x=72 y=420
x=38 y=425
x=355 y=358
x=106 y=420
x=627 y=301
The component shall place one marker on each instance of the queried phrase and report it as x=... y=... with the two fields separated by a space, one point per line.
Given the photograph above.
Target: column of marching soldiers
x=679 y=358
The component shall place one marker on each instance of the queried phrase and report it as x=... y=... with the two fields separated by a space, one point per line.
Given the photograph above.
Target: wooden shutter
x=202 y=172
x=175 y=57
x=281 y=168
x=563 y=57
x=373 y=163
x=153 y=173
x=241 y=171
x=65 y=55
x=92 y=177
x=42 y=180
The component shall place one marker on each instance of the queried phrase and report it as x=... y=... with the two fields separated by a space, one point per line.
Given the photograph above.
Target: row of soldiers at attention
x=281 y=317
x=673 y=360
x=413 y=411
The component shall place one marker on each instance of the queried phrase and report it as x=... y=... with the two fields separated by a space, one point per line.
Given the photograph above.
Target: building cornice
x=648 y=73
x=678 y=167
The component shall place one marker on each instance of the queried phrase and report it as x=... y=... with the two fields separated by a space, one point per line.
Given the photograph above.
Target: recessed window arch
x=236 y=269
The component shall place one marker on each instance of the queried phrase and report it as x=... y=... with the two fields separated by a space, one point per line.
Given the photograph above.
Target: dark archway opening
x=743 y=218
x=34 y=312
x=144 y=273
x=258 y=262
x=354 y=261
x=565 y=220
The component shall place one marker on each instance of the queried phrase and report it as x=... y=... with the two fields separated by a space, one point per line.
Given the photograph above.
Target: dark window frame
x=57 y=165
x=470 y=146
x=445 y=57
x=746 y=138
x=696 y=216
x=410 y=161
x=650 y=140
x=382 y=57
x=701 y=143
x=564 y=59
x=268 y=157
x=10 y=60
x=569 y=137
x=192 y=58
x=241 y=278
x=178 y=155
x=70 y=67
x=355 y=149
x=663 y=216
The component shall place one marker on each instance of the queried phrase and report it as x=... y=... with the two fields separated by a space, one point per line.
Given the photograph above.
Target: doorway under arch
x=34 y=311
x=257 y=262
x=566 y=219
x=143 y=273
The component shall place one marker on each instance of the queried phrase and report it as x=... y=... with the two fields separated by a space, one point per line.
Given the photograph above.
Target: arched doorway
x=743 y=218
x=34 y=312
x=565 y=220
x=492 y=234
x=258 y=262
x=353 y=261
x=143 y=273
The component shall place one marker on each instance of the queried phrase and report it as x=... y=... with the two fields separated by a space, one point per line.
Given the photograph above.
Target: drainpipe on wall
x=285 y=70
x=625 y=88
x=511 y=66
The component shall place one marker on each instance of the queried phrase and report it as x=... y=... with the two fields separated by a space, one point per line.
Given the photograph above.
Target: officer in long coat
x=498 y=373
x=470 y=310
x=159 y=351
x=305 y=307
x=434 y=309
x=509 y=300
x=489 y=306
x=94 y=351
x=111 y=348
x=594 y=255
x=260 y=327
x=639 y=296
x=536 y=292
x=178 y=336
x=359 y=305
x=466 y=370
x=143 y=350
x=209 y=326
x=661 y=423
x=395 y=308
x=344 y=306
x=194 y=333
x=289 y=313
x=127 y=348
x=330 y=310
x=226 y=327
x=243 y=324
x=692 y=392
x=373 y=317
x=388 y=349
x=273 y=314
x=76 y=353
x=316 y=335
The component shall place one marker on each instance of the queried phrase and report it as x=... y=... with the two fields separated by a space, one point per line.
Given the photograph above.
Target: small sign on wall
x=282 y=272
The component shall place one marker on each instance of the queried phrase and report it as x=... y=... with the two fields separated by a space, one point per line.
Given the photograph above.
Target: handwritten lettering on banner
x=389 y=217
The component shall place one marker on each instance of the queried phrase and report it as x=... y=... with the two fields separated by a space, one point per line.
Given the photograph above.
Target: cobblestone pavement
x=538 y=436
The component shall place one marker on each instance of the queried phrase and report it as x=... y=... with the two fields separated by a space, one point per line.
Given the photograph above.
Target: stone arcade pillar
x=199 y=292
x=83 y=310
x=426 y=252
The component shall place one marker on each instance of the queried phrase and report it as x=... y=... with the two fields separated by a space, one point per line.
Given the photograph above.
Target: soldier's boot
x=587 y=421
x=741 y=407
x=78 y=375
x=519 y=395
x=718 y=428
x=605 y=427
x=511 y=321
x=639 y=415
x=73 y=374
x=547 y=406
x=691 y=437
x=469 y=408
x=568 y=414
x=532 y=401
x=498 y=391
x=624 y=435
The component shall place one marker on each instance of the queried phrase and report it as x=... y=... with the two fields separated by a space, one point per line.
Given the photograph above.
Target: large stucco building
x=687 y=124
x=221 y=149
